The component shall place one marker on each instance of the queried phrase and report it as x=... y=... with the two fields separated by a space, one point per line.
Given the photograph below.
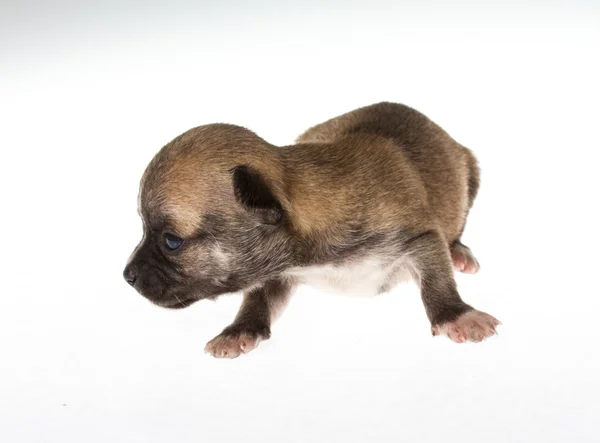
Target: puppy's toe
x=474 y=326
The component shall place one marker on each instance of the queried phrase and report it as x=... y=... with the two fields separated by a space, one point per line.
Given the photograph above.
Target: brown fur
x=382 y=185
x=426 y=158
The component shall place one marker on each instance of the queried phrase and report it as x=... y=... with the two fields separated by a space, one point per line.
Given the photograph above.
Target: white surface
x=90 y=92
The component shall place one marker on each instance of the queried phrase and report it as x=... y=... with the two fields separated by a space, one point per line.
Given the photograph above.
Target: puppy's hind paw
x=463 y=259
x=472 y=326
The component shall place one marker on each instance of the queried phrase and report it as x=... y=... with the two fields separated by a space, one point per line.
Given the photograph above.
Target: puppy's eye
x=173 y=242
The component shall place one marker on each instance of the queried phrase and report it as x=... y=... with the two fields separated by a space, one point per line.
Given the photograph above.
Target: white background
x=90 y=91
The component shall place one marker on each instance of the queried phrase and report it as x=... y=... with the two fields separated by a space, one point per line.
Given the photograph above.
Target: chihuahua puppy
x=358 y=204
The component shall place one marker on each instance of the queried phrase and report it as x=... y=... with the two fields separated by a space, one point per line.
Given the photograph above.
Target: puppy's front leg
x=260 y=307
x=448 y=314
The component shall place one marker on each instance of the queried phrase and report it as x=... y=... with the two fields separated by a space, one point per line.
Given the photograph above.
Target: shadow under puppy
x=361 y=202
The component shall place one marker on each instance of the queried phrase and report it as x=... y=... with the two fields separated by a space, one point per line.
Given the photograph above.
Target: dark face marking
x=155 y=272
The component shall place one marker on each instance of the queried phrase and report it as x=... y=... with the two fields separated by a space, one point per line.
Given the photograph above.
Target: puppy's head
x=213 y=207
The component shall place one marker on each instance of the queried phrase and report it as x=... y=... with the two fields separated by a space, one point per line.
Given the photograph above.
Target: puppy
x=361 y=202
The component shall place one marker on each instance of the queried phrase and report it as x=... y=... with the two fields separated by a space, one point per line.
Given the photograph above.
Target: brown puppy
x=359 y=203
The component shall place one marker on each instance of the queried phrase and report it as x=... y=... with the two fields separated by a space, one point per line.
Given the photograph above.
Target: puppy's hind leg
x=462 y=257
x=448 y=314
x=252 y=324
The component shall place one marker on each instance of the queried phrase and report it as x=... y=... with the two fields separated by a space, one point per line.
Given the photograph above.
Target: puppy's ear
x=254 y=194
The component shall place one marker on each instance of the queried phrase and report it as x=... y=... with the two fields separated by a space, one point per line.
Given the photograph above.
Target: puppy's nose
x=130 y=274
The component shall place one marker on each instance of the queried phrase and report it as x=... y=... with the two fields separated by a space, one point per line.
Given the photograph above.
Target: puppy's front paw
x=472 y=326
x=232 y=342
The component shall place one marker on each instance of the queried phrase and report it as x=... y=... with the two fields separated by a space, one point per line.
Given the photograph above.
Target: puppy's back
x=448 y=170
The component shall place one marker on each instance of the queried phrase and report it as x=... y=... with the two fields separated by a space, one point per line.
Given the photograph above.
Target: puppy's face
x=212 y=223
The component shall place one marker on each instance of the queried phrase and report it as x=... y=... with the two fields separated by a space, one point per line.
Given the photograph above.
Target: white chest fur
x=369 y=276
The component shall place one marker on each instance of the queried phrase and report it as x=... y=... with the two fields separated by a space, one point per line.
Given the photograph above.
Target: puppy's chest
x=369 y=276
